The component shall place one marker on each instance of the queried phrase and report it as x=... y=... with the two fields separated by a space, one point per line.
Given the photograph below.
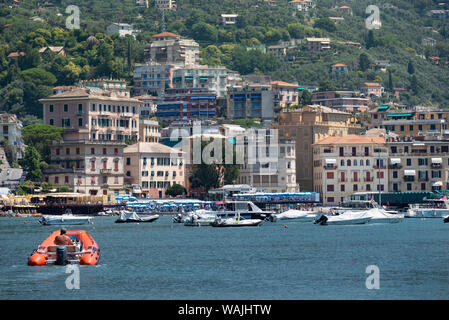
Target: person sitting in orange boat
x=63 y=239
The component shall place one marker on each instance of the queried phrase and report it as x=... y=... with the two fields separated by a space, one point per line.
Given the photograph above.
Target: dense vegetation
x=91 y=53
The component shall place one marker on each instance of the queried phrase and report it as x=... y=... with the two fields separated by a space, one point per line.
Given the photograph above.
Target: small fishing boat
x=84 y=250
x=346 y=218
x=295 y=215
x=129 y=216
x=65 y=219
x=433 y=208
x=223 y=222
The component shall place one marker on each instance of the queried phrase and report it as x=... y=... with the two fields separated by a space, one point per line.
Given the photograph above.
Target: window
x=395 y=174
x=104 y=150
x=128 y=161
x=51 y=108
x=93 y=106
x=80 y=122
x=92 y=150
x=66 y=108
x=67 y=151
x=57 y=152
x=77 y=150
x=342 y=188
x=330 y=175
x=330 y=187
x=66 y=179
x=409 y=162
x=409 y=187
x=52 y=122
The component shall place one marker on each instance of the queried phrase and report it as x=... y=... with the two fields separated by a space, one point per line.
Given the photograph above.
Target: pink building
x=285 y=94
x=103 y=115
x=372 y=89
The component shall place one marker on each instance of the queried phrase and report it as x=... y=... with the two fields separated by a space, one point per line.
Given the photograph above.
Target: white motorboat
x=346 y=218
x=129 y=216
x=237 y=221
x=245 y=210
x=380 y=215
x=435 y=208
x=65 y=219
x=296 y=215
x=199 y=218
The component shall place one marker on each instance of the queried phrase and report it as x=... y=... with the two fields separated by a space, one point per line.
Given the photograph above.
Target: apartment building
x=152 y=78
x=187 y=104
x=215 y=79
x=116 y=85
x=169 y=48
x=152 y=167
x=348 y=164
x=11 y=130
x=273 y=172
x=285 y=94
x=308 y=126
x=417 y=165
x=149 y=131
x=104 y=115
x=86 y=166
x=341 y=100
x=318 y=44
x=252 y=100
x=372 y=89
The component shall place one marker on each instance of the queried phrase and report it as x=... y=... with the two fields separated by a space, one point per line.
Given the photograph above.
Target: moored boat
x=223 y=222
x=130 y=217
x=65 y=219
x=84 y=250
x=346 y=218
x=295 y=215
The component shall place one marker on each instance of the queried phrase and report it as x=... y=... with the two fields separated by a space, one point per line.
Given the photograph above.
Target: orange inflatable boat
x=84 y=250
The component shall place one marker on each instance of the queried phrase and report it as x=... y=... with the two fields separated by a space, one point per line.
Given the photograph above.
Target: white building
x=229 y=19
x=121 y=29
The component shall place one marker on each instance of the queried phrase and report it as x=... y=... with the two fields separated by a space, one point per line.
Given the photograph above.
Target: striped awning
x=395 y=160
x=410 y=172
x=331 y=161
x=437 y=160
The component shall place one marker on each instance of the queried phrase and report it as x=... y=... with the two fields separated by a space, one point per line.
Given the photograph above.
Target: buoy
x=285 y=226
x=25 y=222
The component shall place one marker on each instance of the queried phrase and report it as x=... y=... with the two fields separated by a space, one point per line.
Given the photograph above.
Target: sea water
x=282 y=260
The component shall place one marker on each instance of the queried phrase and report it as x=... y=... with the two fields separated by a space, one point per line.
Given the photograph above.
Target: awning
x=437 y=184
x=437 y=160
x=395 y=160
x=381 y=108
x=331 y=161
x=409 y=172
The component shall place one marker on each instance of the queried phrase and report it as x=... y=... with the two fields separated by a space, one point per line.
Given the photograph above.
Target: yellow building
x=348 y=164
x=308 y=126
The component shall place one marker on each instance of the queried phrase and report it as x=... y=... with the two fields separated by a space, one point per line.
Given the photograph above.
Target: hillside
x=399 y=40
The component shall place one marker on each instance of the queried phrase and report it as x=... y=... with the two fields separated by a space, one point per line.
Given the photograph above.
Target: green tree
x=175 y=190
x=41 y=136
x=410 y=67
x=364 y=62
x=31 y=164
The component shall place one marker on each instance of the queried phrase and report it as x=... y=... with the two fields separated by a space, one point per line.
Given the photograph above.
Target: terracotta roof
x=16 y=54
x=165 y=34
x=339 y=65
x=283 y=84
x=351 y=139
x=145 y=97
x=372 y=84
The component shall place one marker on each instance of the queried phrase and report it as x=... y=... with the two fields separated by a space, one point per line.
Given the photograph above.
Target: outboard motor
x=271 y=218
x=61 y=255
x=321 y=220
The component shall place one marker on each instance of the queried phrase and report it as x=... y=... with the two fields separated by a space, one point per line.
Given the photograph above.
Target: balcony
x=330 y=167
x=127 y=114
x=368 y=179
x=343 y=180
x=409 y=178
x=355 y=180
x=395 y=166
x=105 y=171
x=379 y=167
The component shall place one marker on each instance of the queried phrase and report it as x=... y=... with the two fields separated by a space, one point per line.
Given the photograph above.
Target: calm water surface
x=163 y=260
